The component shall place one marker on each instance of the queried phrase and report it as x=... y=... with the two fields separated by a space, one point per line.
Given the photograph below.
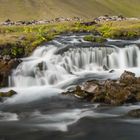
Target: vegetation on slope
x=46 y=9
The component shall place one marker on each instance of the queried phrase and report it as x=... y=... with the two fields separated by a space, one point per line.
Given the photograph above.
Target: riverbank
x=19 y=41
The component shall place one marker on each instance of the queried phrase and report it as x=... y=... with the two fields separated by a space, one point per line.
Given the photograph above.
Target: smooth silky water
x=40 y=112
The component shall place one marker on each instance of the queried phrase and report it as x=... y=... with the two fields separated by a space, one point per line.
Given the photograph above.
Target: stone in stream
x=8 y=94
x=134 y=113
x=5 y=70
x=113 y=92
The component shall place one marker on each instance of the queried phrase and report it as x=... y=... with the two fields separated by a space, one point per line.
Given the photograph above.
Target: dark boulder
x=8 y=94
x=114 y=92
x=6 y=67
x=4 y=95
x=134 y=113
x=128 y=78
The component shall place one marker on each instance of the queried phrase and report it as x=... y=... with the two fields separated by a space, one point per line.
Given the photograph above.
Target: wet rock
x=111 y=71
x=114 y=92
x=79 y=93
x=134 y=113
x=128 y=78
x=6 y=57
x=110 y=18
x=42 y=66
x=6 y=67
x=8 y=94
x=105 y=68
x=1 y=100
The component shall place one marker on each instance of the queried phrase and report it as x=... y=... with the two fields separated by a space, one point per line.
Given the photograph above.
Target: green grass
x=29 y=37
x=97 y=39
x=120 y=29
x=48 y=9
x=19 y=41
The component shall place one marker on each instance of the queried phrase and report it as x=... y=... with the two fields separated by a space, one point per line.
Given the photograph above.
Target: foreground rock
x=113 y=92
x=6 y=66
x=4 y=95
x=134 y=113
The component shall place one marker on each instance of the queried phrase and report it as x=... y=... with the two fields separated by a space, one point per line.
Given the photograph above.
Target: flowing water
x=40 y=112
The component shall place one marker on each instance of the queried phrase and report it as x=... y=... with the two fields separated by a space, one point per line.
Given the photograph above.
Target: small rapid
x=39 y=110
x=47 y=67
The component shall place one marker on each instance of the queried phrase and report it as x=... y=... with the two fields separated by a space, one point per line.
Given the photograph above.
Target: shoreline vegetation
x=20 y=40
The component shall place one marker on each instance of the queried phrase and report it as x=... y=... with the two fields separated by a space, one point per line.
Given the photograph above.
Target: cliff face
x=39 y=9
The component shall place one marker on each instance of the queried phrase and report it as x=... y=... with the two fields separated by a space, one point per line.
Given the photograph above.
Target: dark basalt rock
x=6 y=67
x=88 y=23
x=42 y=66
x=134 y=113
x=8 y=94
x=113 y=92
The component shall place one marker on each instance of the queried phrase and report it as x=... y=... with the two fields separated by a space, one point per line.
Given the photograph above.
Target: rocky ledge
x=6 y=66
x=5 y=95
x=112 y=92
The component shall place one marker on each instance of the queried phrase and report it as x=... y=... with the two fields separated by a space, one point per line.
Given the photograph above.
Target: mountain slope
x=39 y=9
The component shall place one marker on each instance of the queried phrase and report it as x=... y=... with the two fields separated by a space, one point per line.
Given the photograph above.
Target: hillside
x=39 y=9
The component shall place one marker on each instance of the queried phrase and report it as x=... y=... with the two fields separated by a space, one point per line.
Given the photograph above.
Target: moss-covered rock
x=6 y=67
x=8 y=94
x=112 y=92
x=97 y=39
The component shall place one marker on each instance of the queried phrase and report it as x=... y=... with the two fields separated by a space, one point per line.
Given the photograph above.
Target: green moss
x=97 y=39
x=120 y=29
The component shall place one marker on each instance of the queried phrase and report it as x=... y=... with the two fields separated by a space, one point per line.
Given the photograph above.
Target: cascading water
x=37 y=110
x=46 y=67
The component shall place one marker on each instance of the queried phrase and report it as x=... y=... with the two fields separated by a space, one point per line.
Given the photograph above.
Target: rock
x=8 y=20
x=111 y=71
x=88 y=23
x=79 y=93
x=42 y=66
x=1 y=100
x=113 y=92
x=6 y=57
x=134 y=113
x=105 y=68
x=6 y=67
x=90 y=86
x=7 y=94
x=128 y=78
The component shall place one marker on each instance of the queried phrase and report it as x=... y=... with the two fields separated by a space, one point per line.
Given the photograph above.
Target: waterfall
x=44 y=67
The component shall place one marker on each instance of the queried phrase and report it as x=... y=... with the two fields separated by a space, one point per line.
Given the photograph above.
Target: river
x=40 y=112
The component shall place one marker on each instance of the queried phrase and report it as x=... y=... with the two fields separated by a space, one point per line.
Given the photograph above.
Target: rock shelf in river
x=112 y=92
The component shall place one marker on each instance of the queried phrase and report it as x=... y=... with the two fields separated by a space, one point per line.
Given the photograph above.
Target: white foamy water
x=61 y=121
x=6 y=116
x=45 y=67
x=57 y=66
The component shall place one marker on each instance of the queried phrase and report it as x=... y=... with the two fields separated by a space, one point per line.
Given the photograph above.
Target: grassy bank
x=22 y=40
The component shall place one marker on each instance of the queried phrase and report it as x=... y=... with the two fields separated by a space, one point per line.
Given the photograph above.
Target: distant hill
x=46 y=9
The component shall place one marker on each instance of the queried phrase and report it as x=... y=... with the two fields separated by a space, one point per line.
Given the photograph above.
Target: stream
x=40 y=112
